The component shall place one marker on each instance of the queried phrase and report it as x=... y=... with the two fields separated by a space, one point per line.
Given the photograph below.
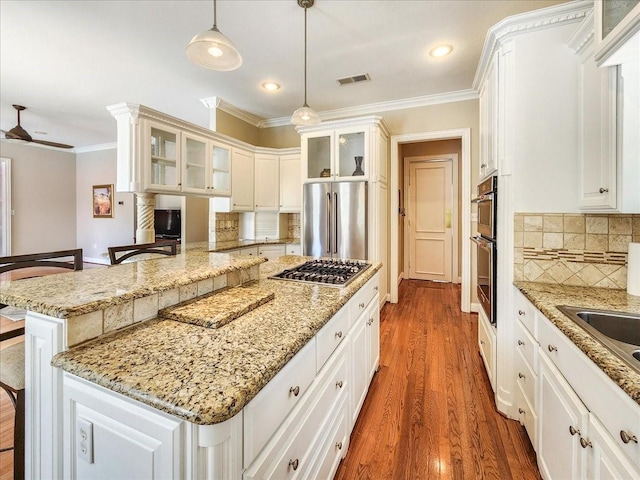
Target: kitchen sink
x=618 y=331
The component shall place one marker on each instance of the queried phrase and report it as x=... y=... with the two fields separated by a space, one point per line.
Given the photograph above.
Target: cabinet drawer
x=527 y=415
x=297 y=440
x=293 y=249
x=268 y=409
x=330 y=336
x=526 y=345
x=604 y=399
x=334 y=447
x=487 y=347
x=525 y=312
x=362 y=298
x=526 y=378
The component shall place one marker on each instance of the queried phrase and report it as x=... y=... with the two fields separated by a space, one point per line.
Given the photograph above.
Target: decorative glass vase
x=358 y=170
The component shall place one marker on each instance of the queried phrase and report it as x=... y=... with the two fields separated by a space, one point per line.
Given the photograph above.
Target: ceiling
x=66 y=60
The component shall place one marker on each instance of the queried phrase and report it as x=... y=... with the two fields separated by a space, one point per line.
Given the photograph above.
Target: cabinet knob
x=370 y=321
x=521 y=375
x=520 y=342
x=361 y=305
x=521 y=411
x=483 y=165
x=339 y=384
x=294 y=464
x=339 y=334
x=295 y=390
x=481 y=342
x=603 y=190
x=626 y=438
x=552 y=348
x=521 y=313
x=375 y=288
x=584 y=443
x=339 y=445
x=573 y=430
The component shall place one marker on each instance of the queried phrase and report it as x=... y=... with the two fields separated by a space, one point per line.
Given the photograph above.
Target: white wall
x=43 y=197
x=95 y=235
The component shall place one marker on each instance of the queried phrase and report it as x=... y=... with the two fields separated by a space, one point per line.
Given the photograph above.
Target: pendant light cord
x=305 y=57
x=214 y=15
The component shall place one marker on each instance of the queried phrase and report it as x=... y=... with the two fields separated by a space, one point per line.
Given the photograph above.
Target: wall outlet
x=84 y=437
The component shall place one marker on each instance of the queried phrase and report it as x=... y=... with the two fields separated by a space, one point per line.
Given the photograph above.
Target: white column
x=145 y=205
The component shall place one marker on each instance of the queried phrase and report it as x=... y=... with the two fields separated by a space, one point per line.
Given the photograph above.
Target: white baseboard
x=400 y=277
x=100 y=261
x=475 y=307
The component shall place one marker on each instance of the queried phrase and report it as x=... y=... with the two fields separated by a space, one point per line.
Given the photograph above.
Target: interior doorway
x=431 y=223
x=5 y=207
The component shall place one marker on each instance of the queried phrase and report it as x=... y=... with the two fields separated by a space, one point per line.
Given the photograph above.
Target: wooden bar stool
x=162 y=247
x=12 y=366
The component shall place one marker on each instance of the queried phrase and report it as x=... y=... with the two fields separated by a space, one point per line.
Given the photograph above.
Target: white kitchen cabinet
x=242 y=175
x=248 y=251
x=219 y=172
x=489 y=118
x=345 y=150
x=271 y=252
x=616 y=30
x=604 y=461
x=293 y=249
x=290 y=183
x=195 y=160
x=161 y=156
x=487 y=346
x=267 y=183
x=563 y=419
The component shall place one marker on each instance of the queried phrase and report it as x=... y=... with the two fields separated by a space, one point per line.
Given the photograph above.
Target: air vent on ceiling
x=354 y=79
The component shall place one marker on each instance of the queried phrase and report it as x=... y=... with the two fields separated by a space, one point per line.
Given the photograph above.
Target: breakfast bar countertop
x=545 y=297
x=207 y=375
x=75 y=293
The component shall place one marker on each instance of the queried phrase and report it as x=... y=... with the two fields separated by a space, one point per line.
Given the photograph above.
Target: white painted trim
x=396 y=140
x=474 y=307
x=6 y=230
x=400 y=277
x=96 y=148
x=243 y=115
x=453 y=160
x=524 y=22
x=449 y=97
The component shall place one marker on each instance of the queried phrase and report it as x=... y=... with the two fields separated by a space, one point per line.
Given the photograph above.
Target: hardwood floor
x=430 y=411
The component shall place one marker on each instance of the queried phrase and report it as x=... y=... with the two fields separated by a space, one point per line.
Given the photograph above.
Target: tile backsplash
x=574 y=249
x=223 y=227
x=293 y=231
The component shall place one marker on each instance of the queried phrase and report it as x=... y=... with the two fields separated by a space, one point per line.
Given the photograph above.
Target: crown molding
x=415 y=102
x=516 y=24
x=96 y=148
x=584 y=35
x=250 y=118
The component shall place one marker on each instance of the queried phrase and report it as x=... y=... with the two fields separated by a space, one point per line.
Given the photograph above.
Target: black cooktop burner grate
x=330 y=272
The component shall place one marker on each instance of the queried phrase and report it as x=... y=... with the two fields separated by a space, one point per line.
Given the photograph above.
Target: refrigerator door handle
x=328 y=222
x=335 y=222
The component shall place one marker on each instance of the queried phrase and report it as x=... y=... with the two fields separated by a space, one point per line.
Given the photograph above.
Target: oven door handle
x=481 y=242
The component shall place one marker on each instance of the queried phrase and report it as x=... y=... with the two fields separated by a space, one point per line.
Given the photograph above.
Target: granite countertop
x=206 y=375
x=546 y=296
x=230 y=245
x=75 y=293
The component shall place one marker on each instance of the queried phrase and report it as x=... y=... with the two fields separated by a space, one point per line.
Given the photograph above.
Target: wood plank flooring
x=430 y=411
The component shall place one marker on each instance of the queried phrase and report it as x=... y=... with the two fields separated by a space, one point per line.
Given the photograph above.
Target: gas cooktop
x=329 y=272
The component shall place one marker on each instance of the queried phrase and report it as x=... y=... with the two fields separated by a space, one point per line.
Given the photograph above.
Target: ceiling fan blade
x=17 y=133
x=52 y=144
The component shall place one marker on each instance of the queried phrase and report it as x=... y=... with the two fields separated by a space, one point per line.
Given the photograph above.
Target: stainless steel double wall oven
x=486 y=242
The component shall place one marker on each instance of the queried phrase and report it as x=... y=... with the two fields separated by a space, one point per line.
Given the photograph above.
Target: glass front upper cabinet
x=194 y=162
x=319 y=157
x=221 y=170
x=164 y=172
x=351 y=158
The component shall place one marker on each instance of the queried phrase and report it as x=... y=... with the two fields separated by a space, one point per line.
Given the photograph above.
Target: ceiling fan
x=19 y=133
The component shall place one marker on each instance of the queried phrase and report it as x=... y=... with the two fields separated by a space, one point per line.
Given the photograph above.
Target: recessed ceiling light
x=271 y=86
x=441 y=51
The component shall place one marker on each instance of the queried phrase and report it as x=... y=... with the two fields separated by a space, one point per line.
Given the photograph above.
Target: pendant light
x=211 y=49
x=305 y=115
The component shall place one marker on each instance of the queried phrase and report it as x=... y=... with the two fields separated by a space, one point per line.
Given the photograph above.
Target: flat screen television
x=168 y=223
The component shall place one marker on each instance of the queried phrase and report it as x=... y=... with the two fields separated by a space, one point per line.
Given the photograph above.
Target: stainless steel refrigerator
x=335 y=220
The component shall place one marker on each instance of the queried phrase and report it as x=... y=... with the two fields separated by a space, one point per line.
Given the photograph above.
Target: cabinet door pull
x=375 y=288
x=521 y=313
x=481 y=342
x=520 y=342
x=294 y=464
x=552 y=348
x=584 y=443
x=573 y=430
x=521 y=411
x=370 y=321
x=603 y=190
x=361 y=305
x=483 y=165
x=339 y=334
x=521 y=375
x=626 y=438
x=339 y=445
x=339 y=384
x=295 y=390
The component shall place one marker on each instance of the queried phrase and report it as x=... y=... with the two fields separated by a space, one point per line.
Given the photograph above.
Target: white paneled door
x=5 y=207
x=430 y=220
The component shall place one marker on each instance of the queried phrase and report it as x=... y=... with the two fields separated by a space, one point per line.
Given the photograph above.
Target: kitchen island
x=203 y=381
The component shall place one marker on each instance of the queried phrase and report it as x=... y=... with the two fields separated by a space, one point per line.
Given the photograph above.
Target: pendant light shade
x=211 y=49
x=305 y=115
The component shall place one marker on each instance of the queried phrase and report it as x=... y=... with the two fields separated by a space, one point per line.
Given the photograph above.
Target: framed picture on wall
x=103 y=201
